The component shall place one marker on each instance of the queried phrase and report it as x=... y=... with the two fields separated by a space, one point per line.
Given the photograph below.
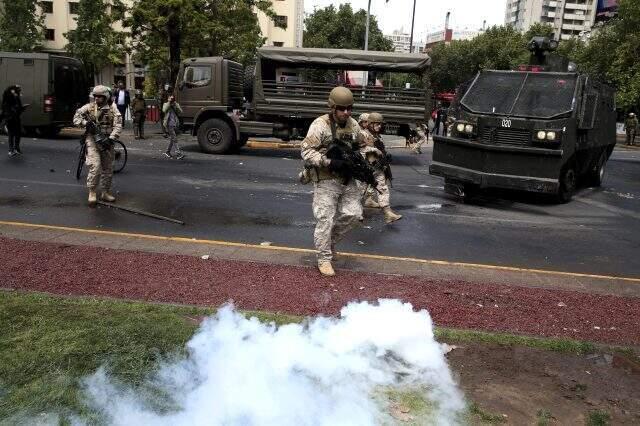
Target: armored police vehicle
x=224 y=104
x=540 y=129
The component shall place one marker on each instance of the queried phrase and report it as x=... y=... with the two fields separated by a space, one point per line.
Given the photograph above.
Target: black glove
x=337 y=165
x=388 y=157
x=91 y=126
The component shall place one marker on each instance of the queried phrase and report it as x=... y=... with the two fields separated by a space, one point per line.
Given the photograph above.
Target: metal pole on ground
x=141 y=212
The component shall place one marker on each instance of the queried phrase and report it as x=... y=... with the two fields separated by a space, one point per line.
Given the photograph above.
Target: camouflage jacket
x=319 y=138
x=108 y=116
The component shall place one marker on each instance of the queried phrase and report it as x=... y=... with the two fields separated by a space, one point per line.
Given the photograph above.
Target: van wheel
x=215 y=136
x=596 y=175
x=568 y=180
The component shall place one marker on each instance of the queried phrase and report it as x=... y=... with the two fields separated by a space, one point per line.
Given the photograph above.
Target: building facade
x=60 y=17
x=569 y=18
x=290 y=13
x=448 y=35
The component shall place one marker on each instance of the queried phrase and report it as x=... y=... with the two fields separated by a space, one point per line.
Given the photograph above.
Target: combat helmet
x=101 y=90
x=340 y=96
x=363 y=117
x=376 y=117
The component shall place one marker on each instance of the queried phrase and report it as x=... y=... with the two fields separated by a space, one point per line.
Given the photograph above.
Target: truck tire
x=596 y=175
x=215 y=136
x=249 y=78
x=568 y=181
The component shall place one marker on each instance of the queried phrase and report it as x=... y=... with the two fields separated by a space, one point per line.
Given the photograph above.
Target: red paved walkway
x=81 y=270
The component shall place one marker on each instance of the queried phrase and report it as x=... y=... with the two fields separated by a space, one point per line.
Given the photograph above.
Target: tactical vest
x=104 y=116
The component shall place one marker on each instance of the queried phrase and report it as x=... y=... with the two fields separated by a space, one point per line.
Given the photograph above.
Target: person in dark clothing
x=122 y=99
x=12 y=109
x=139 y=110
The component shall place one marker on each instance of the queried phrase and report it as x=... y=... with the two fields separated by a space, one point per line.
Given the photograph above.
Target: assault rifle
x=103 y=141
x=356 y=167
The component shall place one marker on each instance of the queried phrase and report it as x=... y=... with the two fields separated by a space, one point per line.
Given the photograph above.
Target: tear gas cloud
x=327 y=371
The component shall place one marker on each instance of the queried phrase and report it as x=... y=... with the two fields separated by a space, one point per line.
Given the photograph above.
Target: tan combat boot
x=371 y=203
x=107 y=196
x=390 y=215
x=325 y=268
x=93 y=198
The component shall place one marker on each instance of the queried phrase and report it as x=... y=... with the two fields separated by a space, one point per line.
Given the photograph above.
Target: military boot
x=107 y=196
x=136 y=134
x=371 y=203
x=93 y=198
x=325 y=268
x=390 y=215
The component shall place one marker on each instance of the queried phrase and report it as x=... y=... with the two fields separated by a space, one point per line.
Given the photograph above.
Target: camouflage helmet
x=631 y=114
x=101 y=90
x=363 y=117
x=340 y=96
x=376 y=117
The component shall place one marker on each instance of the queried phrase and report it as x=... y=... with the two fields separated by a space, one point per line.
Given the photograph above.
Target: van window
x=197 y=76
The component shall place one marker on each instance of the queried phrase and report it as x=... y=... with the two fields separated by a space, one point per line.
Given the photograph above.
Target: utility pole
x=413 y=19
x=366 y=33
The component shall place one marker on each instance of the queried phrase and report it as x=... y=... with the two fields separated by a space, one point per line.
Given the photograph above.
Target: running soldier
x=337 y=201
x=377 y=155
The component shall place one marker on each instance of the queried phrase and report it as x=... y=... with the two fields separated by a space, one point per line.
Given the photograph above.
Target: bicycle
x=119 y=158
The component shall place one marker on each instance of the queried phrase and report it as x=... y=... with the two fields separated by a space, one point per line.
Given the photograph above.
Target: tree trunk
x=173 y=32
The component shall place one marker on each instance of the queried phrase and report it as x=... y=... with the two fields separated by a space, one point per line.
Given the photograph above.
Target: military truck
x=54 y=87
x=541 y=128
x=224 y=104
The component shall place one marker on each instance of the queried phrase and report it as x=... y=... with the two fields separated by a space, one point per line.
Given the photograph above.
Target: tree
x=343 y=29
x=94 y=40
x=21 y=26
x=166 y=31
x=497 y=48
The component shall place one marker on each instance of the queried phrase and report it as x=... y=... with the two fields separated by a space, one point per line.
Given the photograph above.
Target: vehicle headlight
x=551 y=136
x=460 y=127
x=468 y=128
x=541 y=135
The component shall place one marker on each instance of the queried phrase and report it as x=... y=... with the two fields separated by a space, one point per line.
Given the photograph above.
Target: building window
x=49 y=34
x=280 y=21
x=74 y=7
x=278 y=43
x=46 y=6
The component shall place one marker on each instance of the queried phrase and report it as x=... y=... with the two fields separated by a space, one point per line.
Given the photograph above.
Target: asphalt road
x=254 y=197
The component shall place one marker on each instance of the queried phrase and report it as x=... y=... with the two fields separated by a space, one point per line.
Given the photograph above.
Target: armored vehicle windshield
x=522 y=94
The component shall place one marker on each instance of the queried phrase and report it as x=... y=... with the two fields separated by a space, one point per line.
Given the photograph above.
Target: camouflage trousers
x=100 y=165
x=337 y=208
x=384 y=196
x=631 y=137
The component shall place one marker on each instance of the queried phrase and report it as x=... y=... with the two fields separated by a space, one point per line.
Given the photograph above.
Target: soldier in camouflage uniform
x=376 y=154
x=337 y=203
x=100 y=156
x=631 y=127
x=363 y=121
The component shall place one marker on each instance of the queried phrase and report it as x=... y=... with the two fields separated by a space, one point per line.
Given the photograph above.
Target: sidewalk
x=161 y=269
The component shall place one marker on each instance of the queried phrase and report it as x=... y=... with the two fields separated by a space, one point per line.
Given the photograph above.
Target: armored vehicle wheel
x=596 y=175
x=215 y=136
x=568 y=180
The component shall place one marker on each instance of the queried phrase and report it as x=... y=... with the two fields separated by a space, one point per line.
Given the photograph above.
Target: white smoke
x=327 y=371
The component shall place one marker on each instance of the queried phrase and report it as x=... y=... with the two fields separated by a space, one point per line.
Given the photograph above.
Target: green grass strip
x=48 y=343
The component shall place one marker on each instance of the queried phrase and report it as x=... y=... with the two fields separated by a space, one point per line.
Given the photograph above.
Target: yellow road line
x=301 y=250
